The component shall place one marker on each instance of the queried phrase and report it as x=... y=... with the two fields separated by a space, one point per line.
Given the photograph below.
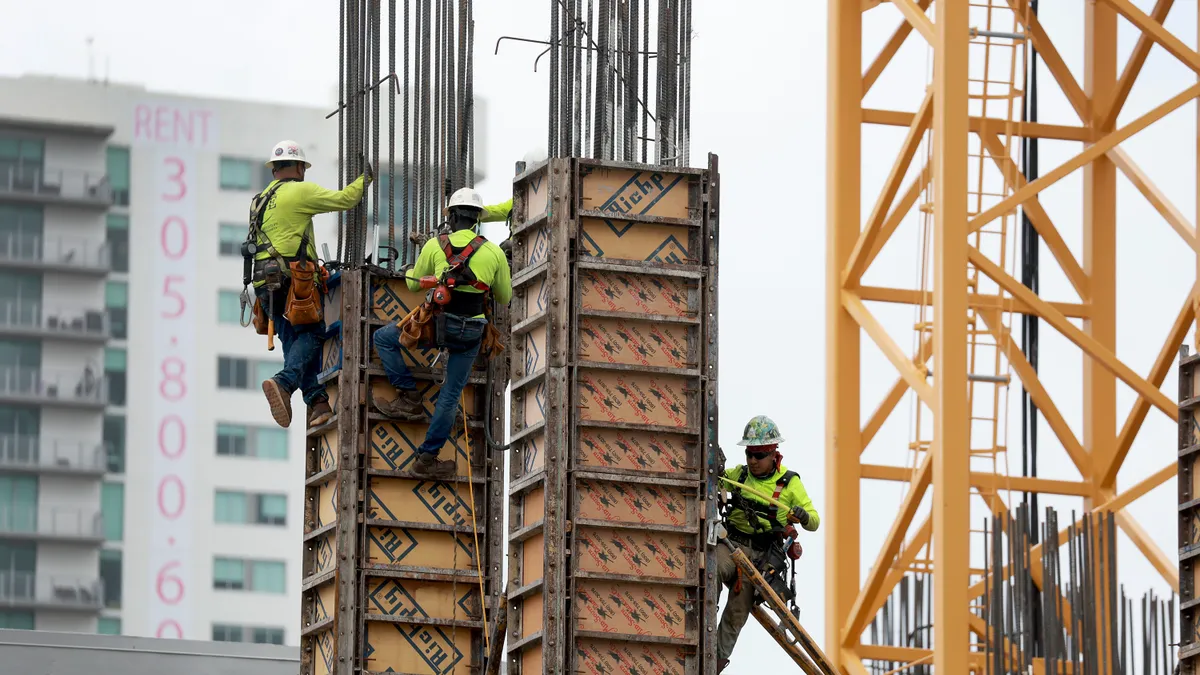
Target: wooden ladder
x=780 y=623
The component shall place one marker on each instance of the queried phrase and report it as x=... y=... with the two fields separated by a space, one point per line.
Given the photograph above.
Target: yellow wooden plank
x=634 y=343
x=634 y=450
x=626 y=191
x=630 y=292
x=417 y=649
x=635 y=398
x=625 y=240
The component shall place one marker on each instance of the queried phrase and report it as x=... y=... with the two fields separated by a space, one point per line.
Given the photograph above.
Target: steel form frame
x=547 y=489
x=851 y=248
x=340 y=454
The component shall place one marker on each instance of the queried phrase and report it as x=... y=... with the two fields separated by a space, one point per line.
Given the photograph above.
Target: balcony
x=29 y=319
x=30 y=454
x=61 y=524
x=43 y=185
x=25 y=590
x=82 y=388
x=68 y=255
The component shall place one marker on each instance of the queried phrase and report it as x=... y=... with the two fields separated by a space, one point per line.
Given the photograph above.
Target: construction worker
x=485 y=271
x=286 y=224
x=754 y=525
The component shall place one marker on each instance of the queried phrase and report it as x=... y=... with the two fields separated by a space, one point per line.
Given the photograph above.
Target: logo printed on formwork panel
x=610 y=656
x=543 y=293
x=642 y=609
x=539 y=248
x=325 y=553
x=395 y=543
x=533 y=355
x=443 y=502
x=431 y=643
x=671 y=252
x=640 y=193
x=325 y=452
x=327 y=650
x=397 y=448
x=590 y=248
x=531 y=451
x=645 y=554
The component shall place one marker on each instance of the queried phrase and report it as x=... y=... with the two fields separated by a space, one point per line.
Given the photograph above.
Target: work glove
x=798 y=515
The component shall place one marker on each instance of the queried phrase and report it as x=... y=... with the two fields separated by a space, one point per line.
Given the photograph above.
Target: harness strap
x=459 y=260
x=258 y=207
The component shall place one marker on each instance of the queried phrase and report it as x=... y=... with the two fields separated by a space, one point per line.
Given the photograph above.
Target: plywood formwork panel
x=425 y=566
x=1189 y=512
x=613 y=420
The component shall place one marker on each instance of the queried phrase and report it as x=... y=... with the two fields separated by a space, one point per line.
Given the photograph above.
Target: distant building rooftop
x=50 y=653
x=44 y=125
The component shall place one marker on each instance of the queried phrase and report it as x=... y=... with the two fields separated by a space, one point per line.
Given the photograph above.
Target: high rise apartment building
x=144 y=489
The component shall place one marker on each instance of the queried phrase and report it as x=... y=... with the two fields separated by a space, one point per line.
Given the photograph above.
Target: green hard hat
x=761 y=431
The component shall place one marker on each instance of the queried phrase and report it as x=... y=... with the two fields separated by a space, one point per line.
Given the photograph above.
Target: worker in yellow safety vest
x=283 y=245
x=479 y=270
x=763 y=531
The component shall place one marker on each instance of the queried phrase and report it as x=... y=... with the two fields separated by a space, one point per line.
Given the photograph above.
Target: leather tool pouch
x=259 y=317
x=304 y=295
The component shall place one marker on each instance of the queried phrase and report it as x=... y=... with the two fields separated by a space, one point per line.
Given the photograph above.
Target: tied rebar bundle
x=430 y=153
x=603 y=59
x=1061 y=608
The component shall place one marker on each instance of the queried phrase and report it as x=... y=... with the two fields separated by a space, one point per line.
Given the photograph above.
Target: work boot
x=280 y=402
x=406 y=406
x=320 y=413
x=428 y=465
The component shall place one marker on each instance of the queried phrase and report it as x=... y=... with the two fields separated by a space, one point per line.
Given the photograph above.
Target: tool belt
x=759 y=541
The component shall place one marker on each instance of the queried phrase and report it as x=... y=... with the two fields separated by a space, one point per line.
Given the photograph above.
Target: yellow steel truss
x=969 y=190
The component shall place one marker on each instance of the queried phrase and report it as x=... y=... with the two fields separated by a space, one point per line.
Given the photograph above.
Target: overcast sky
x=758 y=101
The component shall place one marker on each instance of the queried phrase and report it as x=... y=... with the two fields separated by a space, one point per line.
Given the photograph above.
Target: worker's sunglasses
x=759 y=454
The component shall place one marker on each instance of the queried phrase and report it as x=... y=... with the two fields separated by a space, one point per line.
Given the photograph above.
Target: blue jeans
x=463 y=337
x=301 y=350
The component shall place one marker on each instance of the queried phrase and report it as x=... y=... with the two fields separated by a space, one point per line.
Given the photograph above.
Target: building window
x=233 y=373
x=265 y=370
x=18 y=503
x=112 y=510
x=118 y=174
x=114 y=442
x=259 y=576
x=21 y=232
x=118 y=242
x=16 y=620
x=231 y=237
x=108 y=626
x=224 y=632
x=116 y=301
x=239 y=440
x=19 y=427
x=114 y=372
x=22 y=161
x=243 y=508
x=268 y=636
x=18 y=558
x=20 y=299
x=229 y=307
x=236 y=174
x=110 y=575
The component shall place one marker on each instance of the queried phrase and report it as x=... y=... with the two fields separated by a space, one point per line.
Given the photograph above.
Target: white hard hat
x=535 y=155
x=288 y=151
x=465 y=197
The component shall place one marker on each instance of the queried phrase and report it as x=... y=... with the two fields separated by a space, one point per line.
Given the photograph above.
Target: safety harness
x=774 y=564
x=459 y=275
x=254 y=269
